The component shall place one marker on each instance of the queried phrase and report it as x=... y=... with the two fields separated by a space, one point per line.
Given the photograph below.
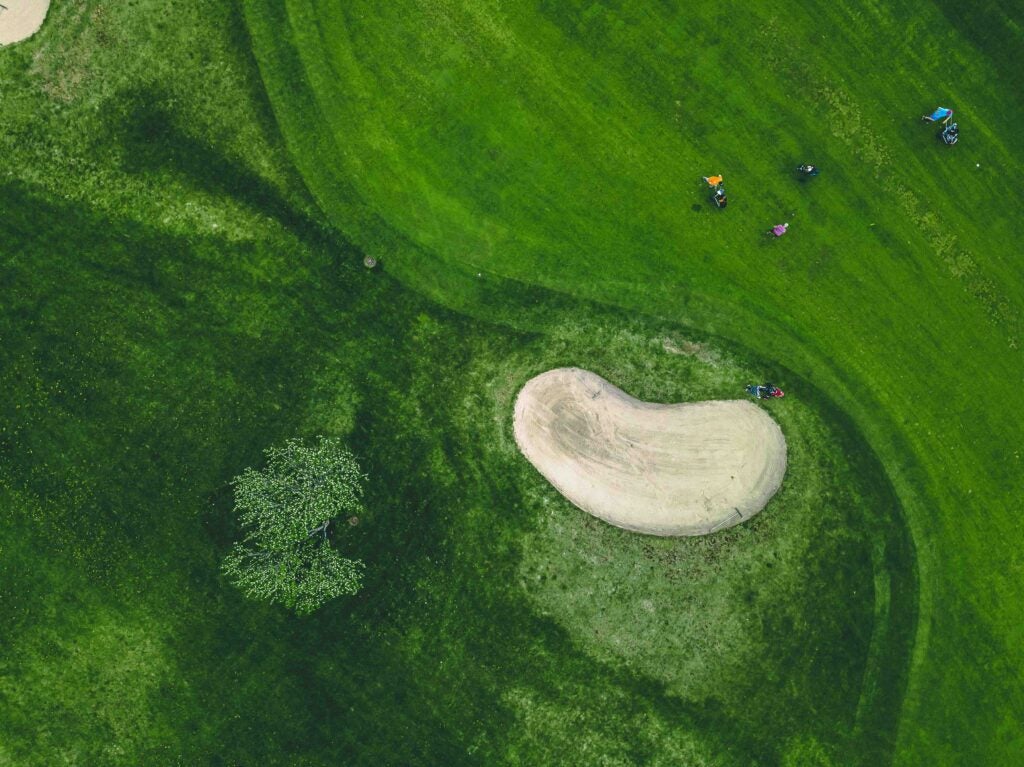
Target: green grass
x=182 y=288
x=561 y=144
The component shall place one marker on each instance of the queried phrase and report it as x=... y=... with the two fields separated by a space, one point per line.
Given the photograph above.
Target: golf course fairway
x=562 y=145
x=193 y=196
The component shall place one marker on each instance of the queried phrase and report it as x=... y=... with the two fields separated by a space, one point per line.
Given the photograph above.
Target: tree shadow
x=152 y=139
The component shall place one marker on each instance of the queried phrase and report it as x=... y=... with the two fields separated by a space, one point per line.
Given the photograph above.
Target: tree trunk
x=321 y=529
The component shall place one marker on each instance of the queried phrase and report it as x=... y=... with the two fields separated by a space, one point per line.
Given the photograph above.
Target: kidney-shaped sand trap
x=20 y=19
x=683 y=469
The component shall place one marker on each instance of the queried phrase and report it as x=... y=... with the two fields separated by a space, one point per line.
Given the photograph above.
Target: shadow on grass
x=151 y=139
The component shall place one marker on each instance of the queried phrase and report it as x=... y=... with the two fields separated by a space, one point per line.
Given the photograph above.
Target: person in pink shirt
x=779 y=229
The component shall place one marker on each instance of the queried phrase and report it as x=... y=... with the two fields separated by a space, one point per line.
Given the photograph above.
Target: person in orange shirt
x=713 y=181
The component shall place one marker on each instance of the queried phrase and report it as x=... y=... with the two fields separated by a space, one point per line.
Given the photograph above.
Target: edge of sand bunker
x=662 y=469
x=21 y=19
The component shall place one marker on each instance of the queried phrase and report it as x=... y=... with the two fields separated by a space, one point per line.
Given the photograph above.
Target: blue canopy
x=941 y=113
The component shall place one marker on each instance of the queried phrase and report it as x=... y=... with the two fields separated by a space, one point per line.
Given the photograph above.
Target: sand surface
x=20 y=19
x=679 y=469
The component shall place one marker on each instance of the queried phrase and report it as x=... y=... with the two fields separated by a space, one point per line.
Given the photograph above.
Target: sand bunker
x=20 y=19
x=685 y=469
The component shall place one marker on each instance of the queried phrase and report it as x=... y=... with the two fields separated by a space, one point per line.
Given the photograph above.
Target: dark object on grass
x=765 y=391
x=808 y=170
x=719 y=198
x=950 y=134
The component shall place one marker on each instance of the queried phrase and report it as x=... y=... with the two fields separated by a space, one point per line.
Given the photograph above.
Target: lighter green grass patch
x=89 y=679
x=560 y=722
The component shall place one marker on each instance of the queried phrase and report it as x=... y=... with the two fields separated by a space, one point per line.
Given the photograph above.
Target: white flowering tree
x=287 y=511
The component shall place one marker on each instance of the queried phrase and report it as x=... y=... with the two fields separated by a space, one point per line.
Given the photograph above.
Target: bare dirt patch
x=20 y=19
x=663 y=469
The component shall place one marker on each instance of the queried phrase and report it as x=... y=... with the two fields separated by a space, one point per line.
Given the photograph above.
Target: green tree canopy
x=287 y=509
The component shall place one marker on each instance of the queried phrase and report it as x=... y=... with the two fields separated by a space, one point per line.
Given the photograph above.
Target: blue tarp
x=941 y=113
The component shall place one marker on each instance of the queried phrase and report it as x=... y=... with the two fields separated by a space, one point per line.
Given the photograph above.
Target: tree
x=287 y=510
